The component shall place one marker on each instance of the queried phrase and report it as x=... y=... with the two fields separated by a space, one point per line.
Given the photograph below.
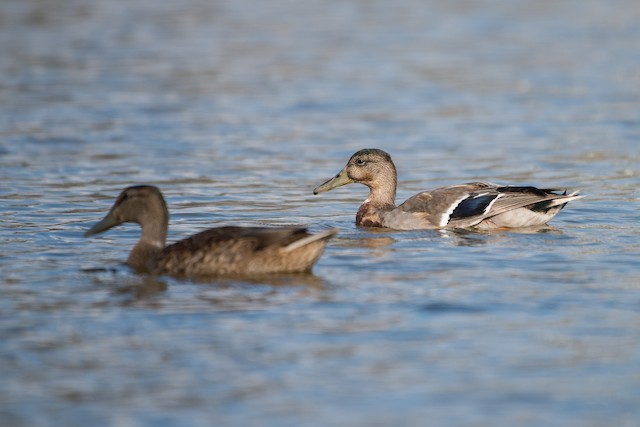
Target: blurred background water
x=237 y=110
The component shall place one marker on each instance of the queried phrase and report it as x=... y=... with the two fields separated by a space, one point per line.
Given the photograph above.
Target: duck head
x=142 y=204
x=371 y=167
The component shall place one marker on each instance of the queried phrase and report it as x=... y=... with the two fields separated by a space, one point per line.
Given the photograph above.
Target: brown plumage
x=479 y=205
x=214 y=252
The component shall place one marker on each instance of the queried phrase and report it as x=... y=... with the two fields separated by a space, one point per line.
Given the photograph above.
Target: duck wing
x=224 y=250
x=466 y=205
x=439 y=206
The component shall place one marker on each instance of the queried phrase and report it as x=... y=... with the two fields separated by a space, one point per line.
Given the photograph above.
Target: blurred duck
x=478 y=205
x=218 y=251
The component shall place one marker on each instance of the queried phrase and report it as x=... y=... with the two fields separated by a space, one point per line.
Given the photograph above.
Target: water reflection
x=460 y=237
x=380 y=239
x=261 y=293
x=276 y=280
x=463 y=237
x=222 y=293
x=128 y=288
x=364 y=242
x=446 y=307
x=143 y=288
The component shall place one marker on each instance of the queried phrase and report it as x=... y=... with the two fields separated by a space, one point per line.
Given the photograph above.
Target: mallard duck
x=213 y=252
x=478 y=205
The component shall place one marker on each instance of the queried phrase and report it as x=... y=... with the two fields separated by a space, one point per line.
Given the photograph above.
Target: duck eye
x=361 y=162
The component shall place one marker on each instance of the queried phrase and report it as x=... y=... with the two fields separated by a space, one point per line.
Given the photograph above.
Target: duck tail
x=560 y=201
x=310 y=239
x=566 y=198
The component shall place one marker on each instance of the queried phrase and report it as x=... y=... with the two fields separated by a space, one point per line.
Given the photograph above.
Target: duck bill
x=337 y=181
x=107 y=222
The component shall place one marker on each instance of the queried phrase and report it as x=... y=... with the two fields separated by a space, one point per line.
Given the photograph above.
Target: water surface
x=237 y=111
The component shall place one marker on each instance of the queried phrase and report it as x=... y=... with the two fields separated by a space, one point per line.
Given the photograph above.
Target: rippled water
x=237 y=110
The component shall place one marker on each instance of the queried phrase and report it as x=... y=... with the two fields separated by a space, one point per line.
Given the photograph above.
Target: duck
x=221 y=251
x=473 y=205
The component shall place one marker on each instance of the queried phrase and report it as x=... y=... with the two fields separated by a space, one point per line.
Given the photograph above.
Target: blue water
x=237 y=110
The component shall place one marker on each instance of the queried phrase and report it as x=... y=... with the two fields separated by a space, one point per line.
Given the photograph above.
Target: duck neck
x=152 y=241
x=382 y=196
x=382 y=193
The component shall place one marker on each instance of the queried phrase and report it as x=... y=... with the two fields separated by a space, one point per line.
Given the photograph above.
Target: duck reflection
x=143 y=288
x=276 y=280
x=464 y=237
x=227 y=293
x=366 y=242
